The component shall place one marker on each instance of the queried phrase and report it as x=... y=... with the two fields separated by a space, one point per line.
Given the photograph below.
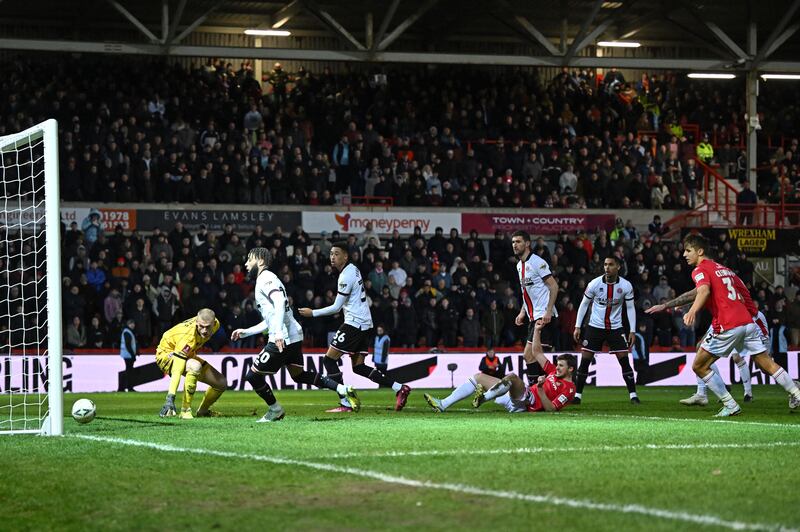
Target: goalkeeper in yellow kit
x=176 y=356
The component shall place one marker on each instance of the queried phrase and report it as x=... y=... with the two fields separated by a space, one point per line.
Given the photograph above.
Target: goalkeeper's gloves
x=168 y=410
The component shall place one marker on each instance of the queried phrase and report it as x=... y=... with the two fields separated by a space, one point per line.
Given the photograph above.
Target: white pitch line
x=600 y=448
x=687 y=517
x=737 y=421
x=694 y=419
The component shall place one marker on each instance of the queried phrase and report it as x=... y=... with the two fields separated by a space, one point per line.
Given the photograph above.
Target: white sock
x=577 y=395
x=715 y=383
x=632 y=395
x=341 y=389
x=396 y=387
x=701 y=386
x=744 y=373
x=783 y=378
x=462 y=392
x=497 y=390
x=276 y=407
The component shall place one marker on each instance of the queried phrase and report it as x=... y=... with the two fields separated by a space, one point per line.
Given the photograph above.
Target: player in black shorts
x=285 y=340
x=353 y=337
x=607 y=295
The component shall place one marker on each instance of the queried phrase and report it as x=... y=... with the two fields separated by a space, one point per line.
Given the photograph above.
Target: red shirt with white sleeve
x=559 y=391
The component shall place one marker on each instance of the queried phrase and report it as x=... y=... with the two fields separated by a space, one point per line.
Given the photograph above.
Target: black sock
x=583 y=374
x=332 y=369
x=315 y=379
x=373 y=374
x=627 y=373
x=534 y=371
x=260 y=386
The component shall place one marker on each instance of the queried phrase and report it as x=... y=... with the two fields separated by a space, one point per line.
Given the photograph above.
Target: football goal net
x=30 y=283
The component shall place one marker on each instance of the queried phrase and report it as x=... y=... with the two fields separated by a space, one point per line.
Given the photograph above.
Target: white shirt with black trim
x=273 y=304
x=532 y=275
x=607 y=300
x=351 y=297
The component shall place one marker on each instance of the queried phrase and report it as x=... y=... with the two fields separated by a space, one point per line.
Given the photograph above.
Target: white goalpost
x=31 y=390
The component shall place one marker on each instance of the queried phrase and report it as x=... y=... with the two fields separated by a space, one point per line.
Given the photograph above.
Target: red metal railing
x=719 y=195
x=369 y=201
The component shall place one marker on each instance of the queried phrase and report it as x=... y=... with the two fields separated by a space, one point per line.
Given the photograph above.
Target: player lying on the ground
x=700 y=398
x=732 y=311
x=176 y=356
x=353 y=336
x=550 y=393
x=285 y=343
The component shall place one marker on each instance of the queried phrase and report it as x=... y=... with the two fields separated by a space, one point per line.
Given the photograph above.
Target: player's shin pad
x=583 y=374
x=189 y=387
x=332 y=369
x=193 y=368
x=210 y=397
x=373 y=374
x=627 y=373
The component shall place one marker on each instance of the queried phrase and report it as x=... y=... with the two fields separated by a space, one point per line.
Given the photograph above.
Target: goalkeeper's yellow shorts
x=165 y=360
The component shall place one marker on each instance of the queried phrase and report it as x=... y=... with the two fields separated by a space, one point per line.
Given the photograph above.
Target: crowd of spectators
x=442 y=291
x=134 y=130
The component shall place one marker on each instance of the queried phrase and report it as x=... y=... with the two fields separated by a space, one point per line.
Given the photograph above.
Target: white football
x=83 y=410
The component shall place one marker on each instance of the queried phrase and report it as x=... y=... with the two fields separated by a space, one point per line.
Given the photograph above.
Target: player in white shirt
x=607 y=295
x=353 y=336
x=700 y=397
x=285 y=343
x=539 y=292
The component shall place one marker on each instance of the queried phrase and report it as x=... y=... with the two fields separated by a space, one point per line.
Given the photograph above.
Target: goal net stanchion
x=31 y=389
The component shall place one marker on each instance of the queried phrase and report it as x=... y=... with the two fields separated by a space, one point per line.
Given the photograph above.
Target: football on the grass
x=83 y=410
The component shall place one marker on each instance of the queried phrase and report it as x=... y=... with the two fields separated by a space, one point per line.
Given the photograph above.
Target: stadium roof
x=680 y=34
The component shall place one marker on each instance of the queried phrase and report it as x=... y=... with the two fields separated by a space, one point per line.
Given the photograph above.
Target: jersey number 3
x=732 y=295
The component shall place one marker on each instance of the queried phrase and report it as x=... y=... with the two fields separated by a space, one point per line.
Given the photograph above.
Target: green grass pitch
x=603 y=465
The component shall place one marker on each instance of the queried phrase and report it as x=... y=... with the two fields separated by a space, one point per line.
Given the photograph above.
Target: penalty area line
x=598 y=448
x=635 y=509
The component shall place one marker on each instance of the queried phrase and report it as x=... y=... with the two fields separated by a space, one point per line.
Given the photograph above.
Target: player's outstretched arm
x=703 y=293
x=683 y=299
x=538 y=351
x=250 y=331
x=327 y=311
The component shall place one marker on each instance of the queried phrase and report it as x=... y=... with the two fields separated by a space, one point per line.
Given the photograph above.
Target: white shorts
x=746 y=340
x=515 y=406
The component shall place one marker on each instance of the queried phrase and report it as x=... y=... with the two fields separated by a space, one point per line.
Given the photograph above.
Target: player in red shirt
x=550 y=393
x=732 y=326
